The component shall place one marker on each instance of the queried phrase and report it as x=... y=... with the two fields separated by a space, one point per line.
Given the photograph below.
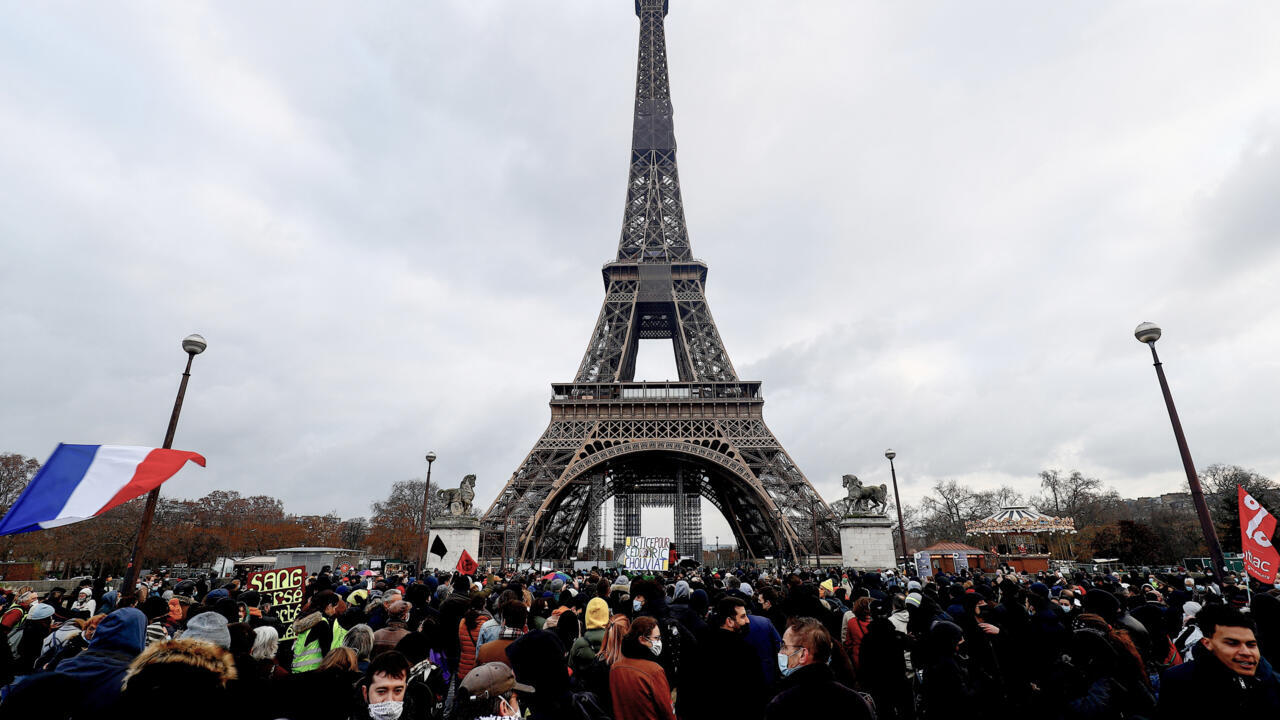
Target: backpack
x=587 y=706
x=679 y=643
x=15 y=634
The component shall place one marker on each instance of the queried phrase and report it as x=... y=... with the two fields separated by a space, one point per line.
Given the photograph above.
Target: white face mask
x=389 y=710
x=656 y=647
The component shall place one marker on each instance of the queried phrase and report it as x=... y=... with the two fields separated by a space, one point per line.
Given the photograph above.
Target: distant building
x=1143 y=508
x=315 y=558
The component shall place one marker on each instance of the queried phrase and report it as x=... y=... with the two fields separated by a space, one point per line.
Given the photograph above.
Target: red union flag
x=1256 y=529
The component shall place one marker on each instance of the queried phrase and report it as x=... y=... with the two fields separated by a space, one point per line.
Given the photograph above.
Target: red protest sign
x=466 y=564
x=1257 y=527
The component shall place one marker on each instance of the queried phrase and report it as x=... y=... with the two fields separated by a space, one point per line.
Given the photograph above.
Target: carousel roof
x=1019 y=519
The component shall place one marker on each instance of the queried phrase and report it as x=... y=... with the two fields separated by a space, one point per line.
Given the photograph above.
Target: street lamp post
x=193 y=345
x=897 y=502
x=426 y=499
x=1149 y=333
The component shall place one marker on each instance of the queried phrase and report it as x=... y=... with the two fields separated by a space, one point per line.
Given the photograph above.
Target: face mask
x=783 y=659
x=636 y=605
x=656 y=647
x=389 y=710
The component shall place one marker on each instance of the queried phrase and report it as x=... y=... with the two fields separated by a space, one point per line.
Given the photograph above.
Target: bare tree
x=354 y=532
x=15 y=472
x=1222 y=497
x=396 y=522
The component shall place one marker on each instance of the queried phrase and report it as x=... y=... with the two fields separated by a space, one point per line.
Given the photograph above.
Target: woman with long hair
x=857 y=621
x=317 y=631
x=637 y=683
x=469 y=632
x=593 y=676
x=611 y=648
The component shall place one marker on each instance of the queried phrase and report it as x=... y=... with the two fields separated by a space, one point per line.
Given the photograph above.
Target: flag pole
x=193 y=345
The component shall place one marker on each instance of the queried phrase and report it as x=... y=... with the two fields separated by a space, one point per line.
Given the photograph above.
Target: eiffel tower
x=656 y=443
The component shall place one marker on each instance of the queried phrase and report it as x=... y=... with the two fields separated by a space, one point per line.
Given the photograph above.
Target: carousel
x=1023 y=538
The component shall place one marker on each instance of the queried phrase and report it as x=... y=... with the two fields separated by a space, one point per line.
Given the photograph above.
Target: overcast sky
x=929 y=226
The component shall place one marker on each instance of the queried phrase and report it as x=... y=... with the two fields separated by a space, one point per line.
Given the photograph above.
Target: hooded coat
x=172 y=672
x=947 y=688
x=101 y=668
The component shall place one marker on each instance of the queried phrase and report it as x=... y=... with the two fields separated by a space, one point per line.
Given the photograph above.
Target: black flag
x=438 y=548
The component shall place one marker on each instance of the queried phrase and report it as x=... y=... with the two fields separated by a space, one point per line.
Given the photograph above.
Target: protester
x=360 y=639
x=84 y=605
x=808 y=687
x=469 y=633
x=1228 y=676
x=31 y=633
x=637 y=683
x=317 y=631
x=490 y=690
x=187 y=673
x=383 y=690
x=585 y=648
x=514 y=616
x=99 y=670
x=725 y=660
x=385 y=639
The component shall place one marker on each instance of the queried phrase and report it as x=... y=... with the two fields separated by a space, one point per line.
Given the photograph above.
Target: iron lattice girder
x=655 y=301
x=606 y=432
x=653 y=224
x=736 y=463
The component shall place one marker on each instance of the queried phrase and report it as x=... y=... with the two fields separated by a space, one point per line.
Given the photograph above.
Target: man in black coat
x=1227 y=678
x=725 y=660
x=808 y=688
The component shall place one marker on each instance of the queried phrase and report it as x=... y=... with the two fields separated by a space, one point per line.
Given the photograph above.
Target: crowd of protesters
x=737 y=643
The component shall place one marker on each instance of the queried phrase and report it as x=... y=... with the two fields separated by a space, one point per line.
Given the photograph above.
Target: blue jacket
x=101 y=668
x=764 y=639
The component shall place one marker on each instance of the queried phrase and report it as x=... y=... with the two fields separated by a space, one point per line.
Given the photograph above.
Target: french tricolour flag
x=83 y=481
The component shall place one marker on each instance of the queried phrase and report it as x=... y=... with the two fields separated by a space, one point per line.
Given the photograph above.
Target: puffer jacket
x=467 y=642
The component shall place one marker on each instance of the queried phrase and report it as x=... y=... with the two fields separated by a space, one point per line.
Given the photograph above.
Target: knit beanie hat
x=914 y=599
x=597 y=614
x=40 y=611
x=1189 y=610
x=210 y=627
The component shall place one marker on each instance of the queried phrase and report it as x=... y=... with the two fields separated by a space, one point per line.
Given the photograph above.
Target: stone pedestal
x=457 y=534
x=866 y=542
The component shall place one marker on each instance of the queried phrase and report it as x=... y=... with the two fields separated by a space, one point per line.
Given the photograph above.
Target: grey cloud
x=928 y=228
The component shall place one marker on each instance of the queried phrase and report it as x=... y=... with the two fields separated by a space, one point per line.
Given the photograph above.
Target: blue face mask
x=636 y=605
x=783 y=659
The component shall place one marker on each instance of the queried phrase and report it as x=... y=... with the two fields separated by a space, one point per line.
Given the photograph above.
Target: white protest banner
x=646 y=553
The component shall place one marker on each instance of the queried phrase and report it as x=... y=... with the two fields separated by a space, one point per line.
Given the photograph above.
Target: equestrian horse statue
x=457 y=501
x=864 y=498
